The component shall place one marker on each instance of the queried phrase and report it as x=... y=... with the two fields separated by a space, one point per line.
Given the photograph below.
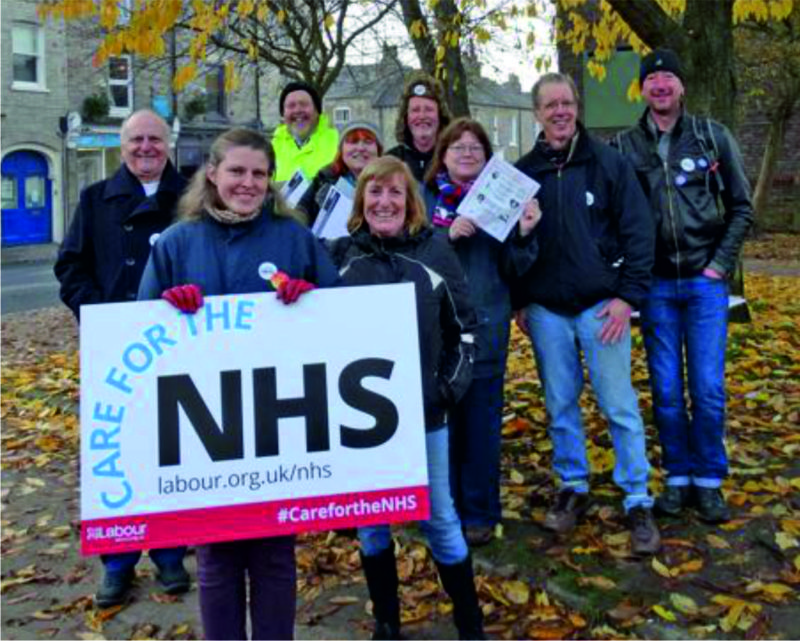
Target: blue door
x=27 y=199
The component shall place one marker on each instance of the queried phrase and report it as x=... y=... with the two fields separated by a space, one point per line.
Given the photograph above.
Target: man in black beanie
x=691 y=169
x=306 y=140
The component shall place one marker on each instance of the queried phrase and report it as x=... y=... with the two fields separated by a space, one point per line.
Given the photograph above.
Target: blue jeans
x=443 y=529
x=557 y=344
x=688 y=316
x=125 y=562
x=475 y=425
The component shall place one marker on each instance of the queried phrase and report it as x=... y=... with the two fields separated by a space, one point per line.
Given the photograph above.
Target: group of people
x=653 y=222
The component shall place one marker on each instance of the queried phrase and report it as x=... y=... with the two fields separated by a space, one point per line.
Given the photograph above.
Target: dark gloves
x=292 y=288
x=187 y=298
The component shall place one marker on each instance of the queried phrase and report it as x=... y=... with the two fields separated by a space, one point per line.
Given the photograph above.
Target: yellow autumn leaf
x=791 y=526
x=517 y=592
x=695 y=565
x=683 y=604
x=661 y=569
x=717 y=542
x=729 y=621
x=776 y=591
x=797 y=563
x=585 y=550
x=785 y=540
x=601 y=582
x=516 y=478
x=664 y=613
x=620 y=538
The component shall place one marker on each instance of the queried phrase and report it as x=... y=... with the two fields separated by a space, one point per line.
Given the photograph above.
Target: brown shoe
x=645 y=538
x=478 y=535
x=568 y=509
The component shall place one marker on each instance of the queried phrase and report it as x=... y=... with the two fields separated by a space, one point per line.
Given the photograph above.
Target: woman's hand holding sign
x=186 y=298
x=531 y=216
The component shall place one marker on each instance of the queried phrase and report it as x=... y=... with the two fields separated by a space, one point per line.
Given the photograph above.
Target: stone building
x=372 y=92
x=61 y=116
x=34 y=98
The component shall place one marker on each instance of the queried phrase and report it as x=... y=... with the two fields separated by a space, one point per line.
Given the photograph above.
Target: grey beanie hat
x=361 y=124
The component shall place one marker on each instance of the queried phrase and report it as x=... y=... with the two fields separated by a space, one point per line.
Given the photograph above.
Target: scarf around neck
x=448 y=199
x=227 y=217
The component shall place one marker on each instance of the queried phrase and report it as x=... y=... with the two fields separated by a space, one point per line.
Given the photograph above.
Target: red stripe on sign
x=253 y=520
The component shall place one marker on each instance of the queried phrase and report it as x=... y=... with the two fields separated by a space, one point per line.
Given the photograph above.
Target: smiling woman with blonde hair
x=391 y=242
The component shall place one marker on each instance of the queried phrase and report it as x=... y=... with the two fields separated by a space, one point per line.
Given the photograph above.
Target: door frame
x=55 y=176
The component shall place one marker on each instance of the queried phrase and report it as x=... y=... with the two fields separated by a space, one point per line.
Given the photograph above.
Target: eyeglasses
x=466 y=149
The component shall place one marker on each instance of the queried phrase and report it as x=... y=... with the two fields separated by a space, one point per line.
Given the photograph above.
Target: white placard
x=332 y=219
x=497 y=198
x=295 y=188
x=189 y=433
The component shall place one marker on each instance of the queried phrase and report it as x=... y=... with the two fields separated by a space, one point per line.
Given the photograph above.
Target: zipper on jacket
x=672 y=218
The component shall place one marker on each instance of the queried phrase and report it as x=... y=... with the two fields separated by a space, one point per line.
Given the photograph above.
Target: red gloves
x=187 y=298
x=291 y=289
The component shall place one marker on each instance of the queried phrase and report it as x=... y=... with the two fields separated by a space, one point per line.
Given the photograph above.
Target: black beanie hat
x=298 y=85
x=660 y=60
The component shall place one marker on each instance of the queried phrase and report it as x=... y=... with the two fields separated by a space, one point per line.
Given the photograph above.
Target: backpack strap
x=708 y=141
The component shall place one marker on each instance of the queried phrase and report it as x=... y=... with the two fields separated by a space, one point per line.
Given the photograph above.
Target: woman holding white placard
x=237 y=236
x=359 y=143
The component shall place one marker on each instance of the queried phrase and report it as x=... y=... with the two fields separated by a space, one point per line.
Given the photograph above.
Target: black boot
x=459 y=583
x=382 y=582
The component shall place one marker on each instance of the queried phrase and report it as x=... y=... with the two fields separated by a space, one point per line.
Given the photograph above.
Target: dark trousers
x=223 y=570
x=125 y=562
x=475 y=425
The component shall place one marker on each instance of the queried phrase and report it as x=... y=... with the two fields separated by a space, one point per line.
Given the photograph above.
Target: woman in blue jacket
x=237 y=236
x=461 y=154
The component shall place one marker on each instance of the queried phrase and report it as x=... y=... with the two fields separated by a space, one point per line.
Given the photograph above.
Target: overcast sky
x=505 y=54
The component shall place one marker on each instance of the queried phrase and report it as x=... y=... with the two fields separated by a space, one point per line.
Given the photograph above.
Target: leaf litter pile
x=738 y=580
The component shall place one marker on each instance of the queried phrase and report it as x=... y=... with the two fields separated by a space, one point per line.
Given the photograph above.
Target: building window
x=125 y=10
x=341 y=116
x=496 y=130
x=120 y=86
x=514 y=139
x=9 y=192
x=27 y=43
x=215 y=90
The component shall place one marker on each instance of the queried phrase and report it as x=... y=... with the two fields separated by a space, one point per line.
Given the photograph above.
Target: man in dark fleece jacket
x=595 y=255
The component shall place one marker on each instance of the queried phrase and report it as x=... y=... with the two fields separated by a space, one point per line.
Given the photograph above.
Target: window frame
x=344 y=110
x=41 y=80
x=114 y=111
x=216 y=71
x=514 y=139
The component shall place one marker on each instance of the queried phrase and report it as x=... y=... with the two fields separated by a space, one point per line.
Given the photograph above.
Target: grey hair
x=553 y=78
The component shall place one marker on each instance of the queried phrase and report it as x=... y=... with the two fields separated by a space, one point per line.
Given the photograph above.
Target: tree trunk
x=709 y=60
x=769 y=161
x=704 y=42
x=451 y=71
